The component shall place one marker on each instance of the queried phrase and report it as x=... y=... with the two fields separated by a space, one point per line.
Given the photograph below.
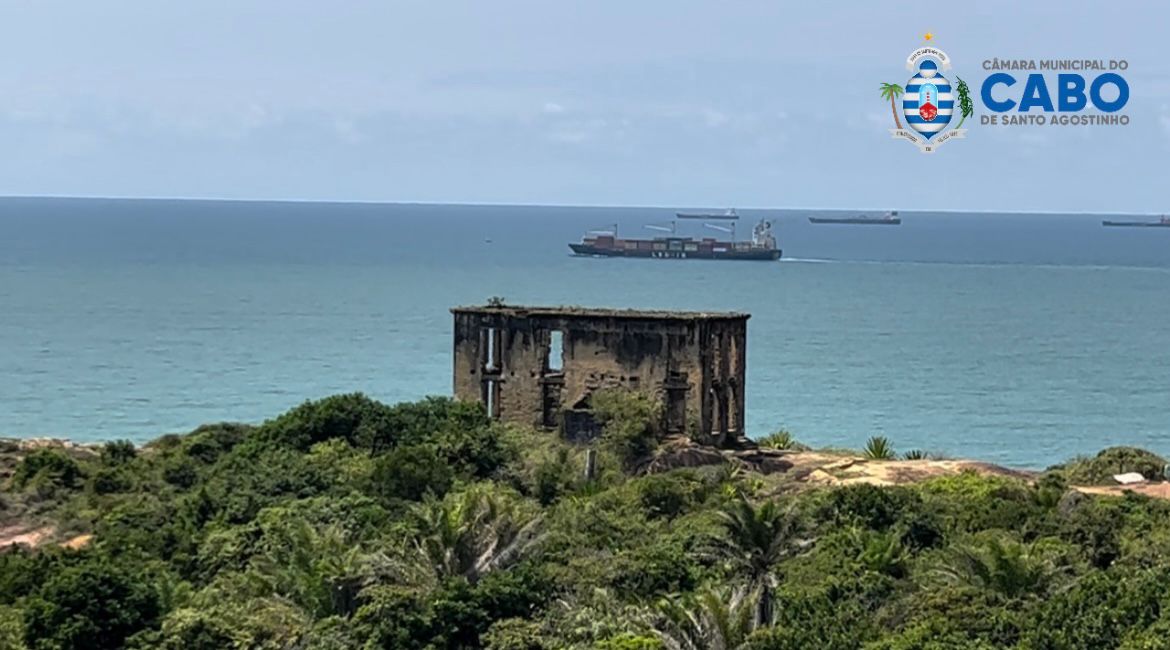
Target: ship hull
x=860 y=222
x=1136 y=224
x=752 y=254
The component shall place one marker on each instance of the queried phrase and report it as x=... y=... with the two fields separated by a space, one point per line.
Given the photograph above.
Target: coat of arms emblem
x=928 y=101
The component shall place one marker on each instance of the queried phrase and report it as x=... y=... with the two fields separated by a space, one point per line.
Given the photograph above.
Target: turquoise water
x=1022 y=339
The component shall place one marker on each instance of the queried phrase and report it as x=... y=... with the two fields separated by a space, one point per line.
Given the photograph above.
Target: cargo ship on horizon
x=606 y=243
x=888 y=219
x=1164 y=222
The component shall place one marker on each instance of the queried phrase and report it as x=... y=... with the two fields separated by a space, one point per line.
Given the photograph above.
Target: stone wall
x=529 y=365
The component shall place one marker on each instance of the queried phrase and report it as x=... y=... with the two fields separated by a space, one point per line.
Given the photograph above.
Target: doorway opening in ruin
x=579 y=424
x=550 y=407
x=676 y=402
x=723 y=410
x=718 y=399
x=732 y=407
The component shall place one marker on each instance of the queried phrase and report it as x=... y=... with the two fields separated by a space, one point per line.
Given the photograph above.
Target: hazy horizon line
x=493 y=204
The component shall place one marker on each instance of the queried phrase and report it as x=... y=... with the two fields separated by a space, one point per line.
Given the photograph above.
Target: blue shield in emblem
x=928 y=103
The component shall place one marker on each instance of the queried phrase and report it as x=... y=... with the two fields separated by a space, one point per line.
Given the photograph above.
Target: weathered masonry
x=540 y=365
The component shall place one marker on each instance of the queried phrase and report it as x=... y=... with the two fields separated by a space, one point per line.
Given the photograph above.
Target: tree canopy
x=350 y=524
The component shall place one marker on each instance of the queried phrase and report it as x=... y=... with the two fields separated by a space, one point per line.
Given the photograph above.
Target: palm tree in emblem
x=892 y=92
x=964 y=101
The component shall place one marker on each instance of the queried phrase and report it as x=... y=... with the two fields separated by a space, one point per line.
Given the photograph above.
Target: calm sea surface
x=1021 y=339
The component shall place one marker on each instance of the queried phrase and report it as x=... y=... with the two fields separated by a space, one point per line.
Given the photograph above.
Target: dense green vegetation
x=347 y=524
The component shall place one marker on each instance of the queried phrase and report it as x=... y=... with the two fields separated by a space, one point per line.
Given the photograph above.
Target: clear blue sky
x=602 y=102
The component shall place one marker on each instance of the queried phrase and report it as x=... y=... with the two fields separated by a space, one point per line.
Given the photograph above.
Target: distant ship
x=888 y=219
x=1164 y=222
x=726 y=214
x=606 y=243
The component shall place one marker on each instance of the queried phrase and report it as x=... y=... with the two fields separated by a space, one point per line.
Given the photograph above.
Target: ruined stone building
x=540 y=365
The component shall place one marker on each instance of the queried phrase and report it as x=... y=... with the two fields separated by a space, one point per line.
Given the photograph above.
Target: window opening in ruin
x=556 y=351
x=492 y=353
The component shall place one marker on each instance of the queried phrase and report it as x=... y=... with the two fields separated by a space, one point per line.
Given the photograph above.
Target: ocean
x=1018 y=339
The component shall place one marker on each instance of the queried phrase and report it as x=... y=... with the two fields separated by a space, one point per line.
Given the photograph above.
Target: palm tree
x=581 y=620
x=1005 y=566
x=708 y=620
x=965 y=104
x=892 y=92
x=468 y=534
x=319 y=569
x=880 y=552
x=755 y=539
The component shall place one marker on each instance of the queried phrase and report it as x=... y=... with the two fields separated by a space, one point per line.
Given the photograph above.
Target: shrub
x=1154 y=637
x=670 y=494
x=210 y=442
x=657 y=567
x=348 y=417
x=180 y=471
x=781 y=439
x=248 y=479
x=555 y=477
x=111 y=480
x=118 y=452
x=1097 y=610
x=1093 y=527
x=474 y=448
x=629 y=422
x=11 y=629
x=804 y=622
x=410 y=473
x=49 y=467
x=187 y=629
x=372 y=425
x=629 y=641
x=1100 y=469
x=915 y=454
x=950 y=613
x=972 y=502
x=932 y=634
x=514 y=634
x=93 y=605
x=869 y=505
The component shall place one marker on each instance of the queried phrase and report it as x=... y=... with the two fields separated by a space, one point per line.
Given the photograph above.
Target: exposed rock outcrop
x=812 y=467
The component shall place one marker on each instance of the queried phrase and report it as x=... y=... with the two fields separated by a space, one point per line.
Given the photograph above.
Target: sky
x=590 y=102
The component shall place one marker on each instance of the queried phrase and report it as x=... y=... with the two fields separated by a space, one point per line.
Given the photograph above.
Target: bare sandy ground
x=21 y=536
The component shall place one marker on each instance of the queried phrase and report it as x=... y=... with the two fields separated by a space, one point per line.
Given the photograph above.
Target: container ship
x=762 y=245
x=888 y=219
x=1164 y=222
